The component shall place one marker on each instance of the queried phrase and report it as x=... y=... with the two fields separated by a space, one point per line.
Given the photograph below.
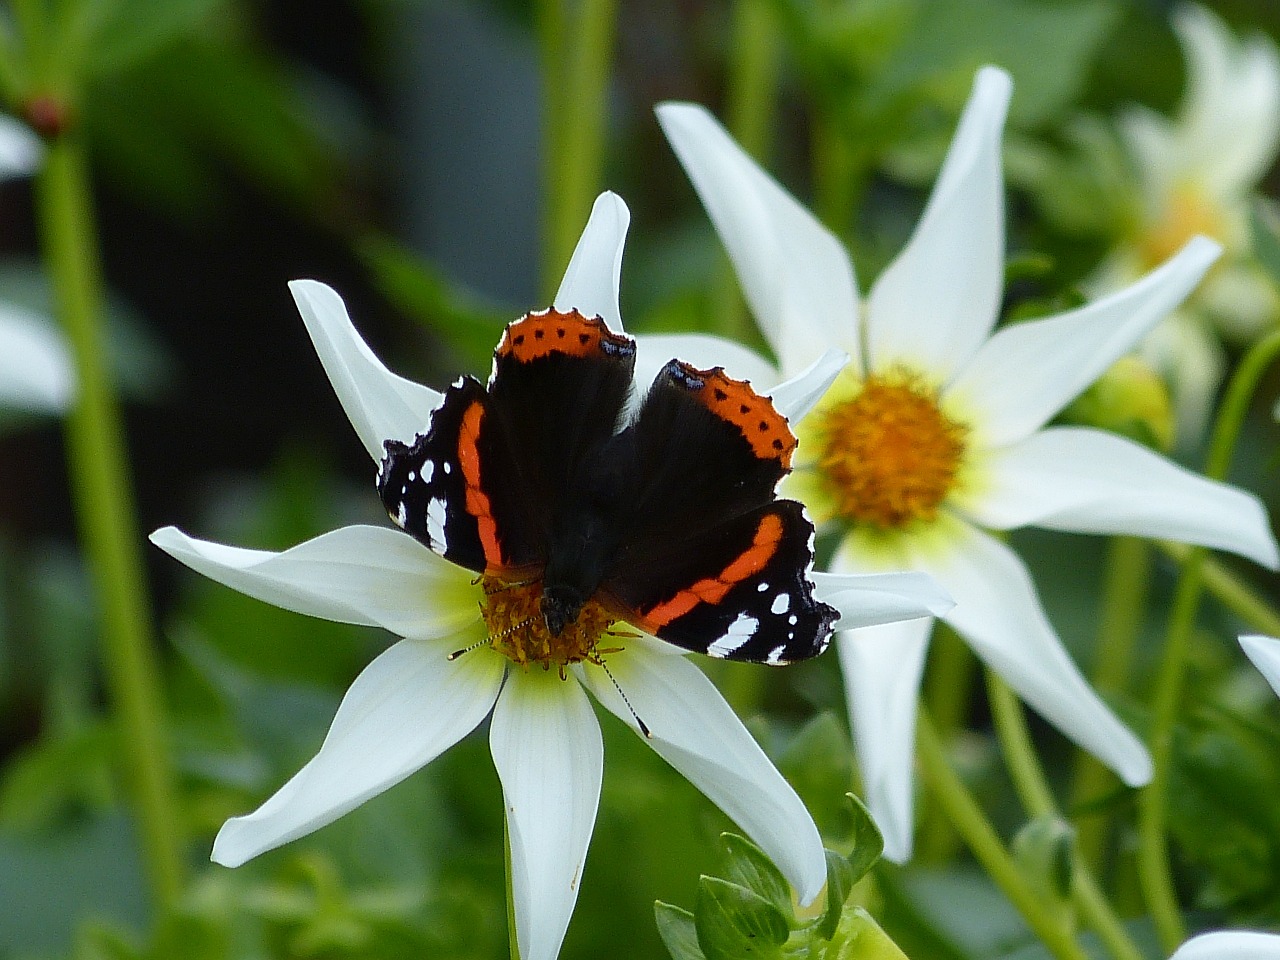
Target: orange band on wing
x=537 y=335
x=763 y=427
x=478 y=504
x=713 y=589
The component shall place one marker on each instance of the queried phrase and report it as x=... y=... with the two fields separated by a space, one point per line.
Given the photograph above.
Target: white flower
x=1196 y=172
x=35 y=370
x=936 y=431
x=1230 y=945
x=414 y=701
x=20 y=149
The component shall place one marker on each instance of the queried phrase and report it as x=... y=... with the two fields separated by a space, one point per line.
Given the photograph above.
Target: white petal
x=868 y=599
x=937 y=301
x=654 y=351
x=35 y=368
x=590 y=283
x=20 y=149
x=380 y=405
x=407 y=707
x=367 y=575
x=882 y=667
x=1265 y=654
x=1088 y=481
x=794 y=273
x=1230 y=945
x=797 y=396
x=1029 y=371
x=550 y=757
x=695 y=731
x=999 y=615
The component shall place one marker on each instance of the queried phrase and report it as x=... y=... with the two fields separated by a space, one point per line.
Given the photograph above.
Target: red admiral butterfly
x=667 y=520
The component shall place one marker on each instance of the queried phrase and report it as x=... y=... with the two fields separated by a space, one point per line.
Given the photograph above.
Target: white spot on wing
x=775 y=655
x=781 y=604
x=435 y=522
x=401 y=515
x=739 y=632
x=428 y=470
x=448 y=467
x=762 y=587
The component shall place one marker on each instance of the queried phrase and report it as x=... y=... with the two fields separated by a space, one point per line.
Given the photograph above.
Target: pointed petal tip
x=226 y=851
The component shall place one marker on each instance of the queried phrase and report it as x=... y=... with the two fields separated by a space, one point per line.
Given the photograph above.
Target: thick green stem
x=1127 y=584
x=955 y=799
x=576 y=41
x=1037 y=799
x=1154 y=870
x=104 y=507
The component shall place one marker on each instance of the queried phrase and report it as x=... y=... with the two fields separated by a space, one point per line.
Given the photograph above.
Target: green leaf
x=126 y=32
x=1264 y=231
x=678 y=932
x=733 y=923
x=866 y=941
x=868 y=843
x=751 y=868
x=840 y=880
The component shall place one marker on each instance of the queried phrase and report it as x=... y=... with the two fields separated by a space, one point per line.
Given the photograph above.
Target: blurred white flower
x=1196 y=173
x=20 y=149
x=936 y=432
x=35 y=369
x=415 y=700
x=1230 y=945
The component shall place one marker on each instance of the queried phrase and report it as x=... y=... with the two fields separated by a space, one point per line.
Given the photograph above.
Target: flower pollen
x=517 y=629
x=888 y=454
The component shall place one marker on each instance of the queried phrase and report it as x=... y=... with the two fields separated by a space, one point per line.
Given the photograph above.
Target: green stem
x=104 y=507
x=1154 y=871
x=576 y=41
x=1229 y=590
x=1127 y=584
x=950 y=793
x=1037 y=799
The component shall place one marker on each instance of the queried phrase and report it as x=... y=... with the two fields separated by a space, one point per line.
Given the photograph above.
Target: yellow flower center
x=1189 y=212
x=889 y=455
x=517 y=629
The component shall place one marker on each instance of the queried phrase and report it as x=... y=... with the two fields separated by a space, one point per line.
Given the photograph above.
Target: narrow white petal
x=1029 y=371
x=1265 y=654
x=35 y=368
x=999 y=615
x=1230 y=945
x=696 y=731
x=367 y=575
x=380 y=405
x=868 y=599
x=654 y=351
x=406 y=708
x=591 y=280
x=937 y=301
x=882 y=667
x=797 y=396
x=20 y=149
x=1088 y=481
x=550 y=757
x=794 y=273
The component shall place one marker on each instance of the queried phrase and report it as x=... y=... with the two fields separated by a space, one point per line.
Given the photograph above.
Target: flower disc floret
x=889 y=455
x=518 y=630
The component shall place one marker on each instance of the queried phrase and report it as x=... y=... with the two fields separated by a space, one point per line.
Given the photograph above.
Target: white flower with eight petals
x=936 y=431
x=415 y=700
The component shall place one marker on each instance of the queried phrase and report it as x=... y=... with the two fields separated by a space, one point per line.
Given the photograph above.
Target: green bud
x=1130 y=399
x=1045 y=849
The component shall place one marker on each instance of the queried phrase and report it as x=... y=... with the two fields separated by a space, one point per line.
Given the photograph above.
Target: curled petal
x=882 y=667
x=1230 y=945
x=868 y=599
x=696 y=731
x=1088 y=481
x=999 y=615
x=937 y=301
x=794 y=273
x=380 y=405
x=797 y=396
x=1071 y=350
x=407 y=707
x=550 y=757
x=35 y=368
x=367 y=575
x=591 y=280
x=1265 y=654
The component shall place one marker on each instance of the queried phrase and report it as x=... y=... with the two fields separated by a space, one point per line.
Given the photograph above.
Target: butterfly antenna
x=467 y=649
x=644 y=728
